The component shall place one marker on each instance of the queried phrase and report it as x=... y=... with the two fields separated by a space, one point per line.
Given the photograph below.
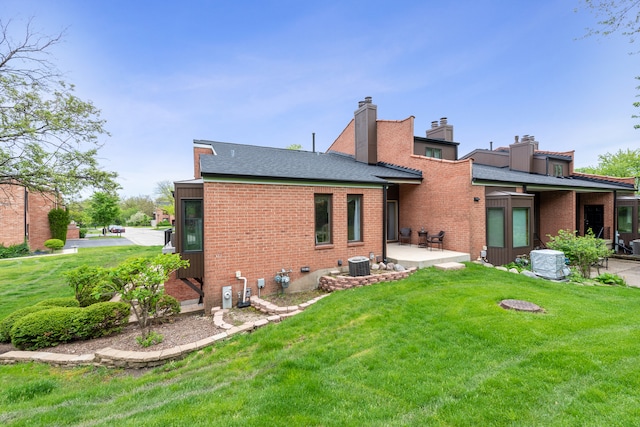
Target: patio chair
x=436 y=239
x=405 y=235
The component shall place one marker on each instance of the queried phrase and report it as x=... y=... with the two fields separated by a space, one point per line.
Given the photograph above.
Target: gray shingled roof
x=250 y=161
x=485 y=173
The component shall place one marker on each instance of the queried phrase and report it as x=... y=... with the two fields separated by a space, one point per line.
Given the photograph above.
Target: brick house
x=262 y=210
x=24 y=216
x=501 y=202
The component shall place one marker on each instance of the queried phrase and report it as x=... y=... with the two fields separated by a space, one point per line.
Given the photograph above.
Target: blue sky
x=273 y=72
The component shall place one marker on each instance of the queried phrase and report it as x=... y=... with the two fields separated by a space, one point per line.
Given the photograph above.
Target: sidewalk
x=628 y=269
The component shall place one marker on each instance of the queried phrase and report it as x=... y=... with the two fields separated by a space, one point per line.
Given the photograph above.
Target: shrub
x=163 y=223
x=166 y=306
x=58 y=224
x=46 y=328
x=152 y=339
x=7 y=323
x=582 y=251
x=59 y=302
x=83 y=233
x=104 y=318
x=86 y=282
x=58 y=325
x=611 y=279
x=54 y=244
x=14 y=251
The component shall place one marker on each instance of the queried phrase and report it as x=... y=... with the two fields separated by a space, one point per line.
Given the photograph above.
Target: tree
x=104 y=208
x=621 y=16
x=140 y=282
x=135 y=204
x=165 y=199
x=48 y=136
x=59 y=223
x=294 y=147
x=624 y=163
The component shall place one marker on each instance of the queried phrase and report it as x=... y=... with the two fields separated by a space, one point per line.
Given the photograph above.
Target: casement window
x=433 y=152
x=323 y=219
x=354 y=217
x=625 y=219
x=520 y=227
x=558 y=170
x=495 y=227
x=192 y=231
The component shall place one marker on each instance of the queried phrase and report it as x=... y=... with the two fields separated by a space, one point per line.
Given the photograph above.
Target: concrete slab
x=414 y=256
x=446 y=266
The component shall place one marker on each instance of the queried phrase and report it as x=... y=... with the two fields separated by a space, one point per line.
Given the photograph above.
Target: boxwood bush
x=58 y=325
x=46 y=328
x=105 y=318
x=7 y=323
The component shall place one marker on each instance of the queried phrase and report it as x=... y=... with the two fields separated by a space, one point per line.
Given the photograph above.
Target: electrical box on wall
x=260 y=283
x=227 y=297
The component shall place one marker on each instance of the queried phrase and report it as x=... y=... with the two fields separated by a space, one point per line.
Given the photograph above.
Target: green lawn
x=434 y=349
x=25 y=281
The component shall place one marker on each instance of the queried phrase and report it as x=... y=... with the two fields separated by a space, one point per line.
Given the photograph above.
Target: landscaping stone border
x=341 y=282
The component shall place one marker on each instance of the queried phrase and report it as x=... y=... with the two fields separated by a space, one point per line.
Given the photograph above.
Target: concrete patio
x=415 y=256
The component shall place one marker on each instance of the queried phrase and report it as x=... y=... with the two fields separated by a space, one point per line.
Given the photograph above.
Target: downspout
x=26 y=214
x=384 y=223
x=615 y=220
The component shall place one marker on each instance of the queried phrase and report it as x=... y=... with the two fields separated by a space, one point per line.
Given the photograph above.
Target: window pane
x=520 y=227
x=192 y=221
x=323 y=218
x=437 y=153
x=625 y=218
x=354 y=218
x=495 y=227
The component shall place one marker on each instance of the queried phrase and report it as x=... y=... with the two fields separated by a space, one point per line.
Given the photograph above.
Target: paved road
x=132 y=236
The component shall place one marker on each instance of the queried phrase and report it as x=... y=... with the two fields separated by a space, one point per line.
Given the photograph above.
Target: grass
x=25 y=281
x=433 y=349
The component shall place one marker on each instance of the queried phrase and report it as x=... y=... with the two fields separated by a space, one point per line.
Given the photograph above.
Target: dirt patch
x=292 y=298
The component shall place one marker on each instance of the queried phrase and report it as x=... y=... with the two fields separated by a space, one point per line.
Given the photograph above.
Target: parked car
x=116 y=229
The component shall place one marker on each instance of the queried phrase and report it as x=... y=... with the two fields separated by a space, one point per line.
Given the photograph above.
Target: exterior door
x=392 y=220
x=594 y=219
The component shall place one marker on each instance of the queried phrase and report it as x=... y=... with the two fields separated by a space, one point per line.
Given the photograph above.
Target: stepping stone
x=446 y=266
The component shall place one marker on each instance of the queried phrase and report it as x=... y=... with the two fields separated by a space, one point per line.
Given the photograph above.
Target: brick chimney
x=442 y=131
x=366 y=128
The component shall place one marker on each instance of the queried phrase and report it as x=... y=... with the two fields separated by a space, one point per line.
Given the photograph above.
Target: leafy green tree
x=48 y=136
x=165 y=199
x=104 y=208
x=135 y=204
x=139 y=218
x=140 y=282
x=79 y=213
x=616 y=16
x=294 y=147
x=59 y=223
x=624 y=163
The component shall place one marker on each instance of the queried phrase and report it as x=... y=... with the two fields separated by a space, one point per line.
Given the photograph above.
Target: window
x=192 y=225
x=323 y=219
x=495 y=227
x=354 y=217
x=433 y=152
x=520 y=227
x=558 y=170
x=625 y=219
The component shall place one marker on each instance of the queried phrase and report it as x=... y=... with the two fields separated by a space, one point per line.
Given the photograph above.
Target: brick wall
x=444 y=200
x=177 y=289
x=557 y=212
x=12 y=215
x=39 y=207
x=261 y=229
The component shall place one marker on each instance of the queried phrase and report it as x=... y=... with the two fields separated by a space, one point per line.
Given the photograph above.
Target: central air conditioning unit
x=359 y=266
x=549 y=264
